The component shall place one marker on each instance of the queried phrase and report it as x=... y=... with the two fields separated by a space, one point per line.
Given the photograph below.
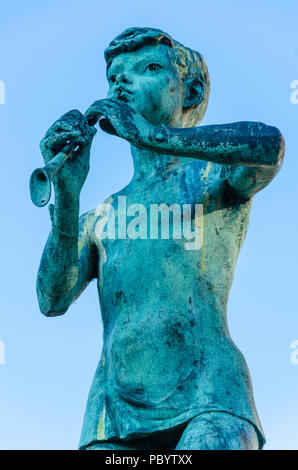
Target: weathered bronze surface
x=170 y=375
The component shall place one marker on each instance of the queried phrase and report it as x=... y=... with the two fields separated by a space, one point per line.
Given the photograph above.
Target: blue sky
x=51 y=57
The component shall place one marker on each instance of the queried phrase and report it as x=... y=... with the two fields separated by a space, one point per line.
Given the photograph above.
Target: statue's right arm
x=69 y=262
x=69 y=259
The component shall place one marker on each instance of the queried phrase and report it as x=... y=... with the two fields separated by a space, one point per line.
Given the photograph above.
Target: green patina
x=170 y=375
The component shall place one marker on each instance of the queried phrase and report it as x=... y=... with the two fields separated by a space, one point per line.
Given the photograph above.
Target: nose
x=123 y=78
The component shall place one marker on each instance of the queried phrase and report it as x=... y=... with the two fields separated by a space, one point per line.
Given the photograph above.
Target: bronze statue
x=170 y=376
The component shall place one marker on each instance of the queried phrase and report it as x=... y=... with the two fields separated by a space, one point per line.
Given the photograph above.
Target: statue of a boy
x=170 y=376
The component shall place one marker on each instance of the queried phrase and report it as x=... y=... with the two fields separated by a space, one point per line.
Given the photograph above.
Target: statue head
x=163 y=80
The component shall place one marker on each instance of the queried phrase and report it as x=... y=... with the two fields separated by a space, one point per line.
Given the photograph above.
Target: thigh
x=218 y=431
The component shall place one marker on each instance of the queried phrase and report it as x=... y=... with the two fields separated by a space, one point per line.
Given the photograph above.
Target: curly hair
x=190 y=64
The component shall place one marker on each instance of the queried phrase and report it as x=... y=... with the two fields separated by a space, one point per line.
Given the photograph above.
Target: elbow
x=52 y=301
x=50 y=310
x=281 y=151
x=272 y=145
x=49 y=306
x=276 y=146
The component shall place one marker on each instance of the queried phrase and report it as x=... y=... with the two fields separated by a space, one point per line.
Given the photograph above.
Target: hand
x=121 y=120
x=72 y=127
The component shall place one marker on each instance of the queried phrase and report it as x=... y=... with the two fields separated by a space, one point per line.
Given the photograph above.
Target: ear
x=194 y=93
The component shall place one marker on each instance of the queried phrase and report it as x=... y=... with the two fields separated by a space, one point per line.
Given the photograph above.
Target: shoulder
x=86 y=220
x=95 y=219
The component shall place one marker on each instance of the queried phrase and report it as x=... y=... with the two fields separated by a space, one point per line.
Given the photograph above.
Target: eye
x=153 y=67
x=112 y=78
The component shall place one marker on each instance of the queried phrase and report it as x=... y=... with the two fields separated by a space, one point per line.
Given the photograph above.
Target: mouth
x=123 y=95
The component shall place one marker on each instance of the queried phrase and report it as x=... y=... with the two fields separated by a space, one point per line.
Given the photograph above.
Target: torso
x=167 y=354
x=162 y=304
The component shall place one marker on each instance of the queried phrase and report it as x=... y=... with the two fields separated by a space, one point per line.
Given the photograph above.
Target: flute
x=41 y=178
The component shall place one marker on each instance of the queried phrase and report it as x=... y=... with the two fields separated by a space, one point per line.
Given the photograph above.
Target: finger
x=62 y=126
x=93 y=131
x=99 y=104
x=121 y=106
x=69 y=121
x=47 y=153
x=98 y=109
x=72 y=115
x=106 y=108
x=51 y=211
x=61 y=138
x=93 y=114
x=80 y=156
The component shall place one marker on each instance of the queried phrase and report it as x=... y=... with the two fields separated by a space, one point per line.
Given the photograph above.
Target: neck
x=150 y=164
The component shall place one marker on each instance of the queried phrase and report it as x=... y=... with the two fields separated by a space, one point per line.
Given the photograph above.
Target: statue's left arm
x=252 y=151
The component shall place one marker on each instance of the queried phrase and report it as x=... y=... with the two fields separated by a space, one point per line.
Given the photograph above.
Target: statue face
x=148 y=80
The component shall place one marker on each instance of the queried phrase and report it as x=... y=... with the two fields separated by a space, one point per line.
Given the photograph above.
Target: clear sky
x=51 y=61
